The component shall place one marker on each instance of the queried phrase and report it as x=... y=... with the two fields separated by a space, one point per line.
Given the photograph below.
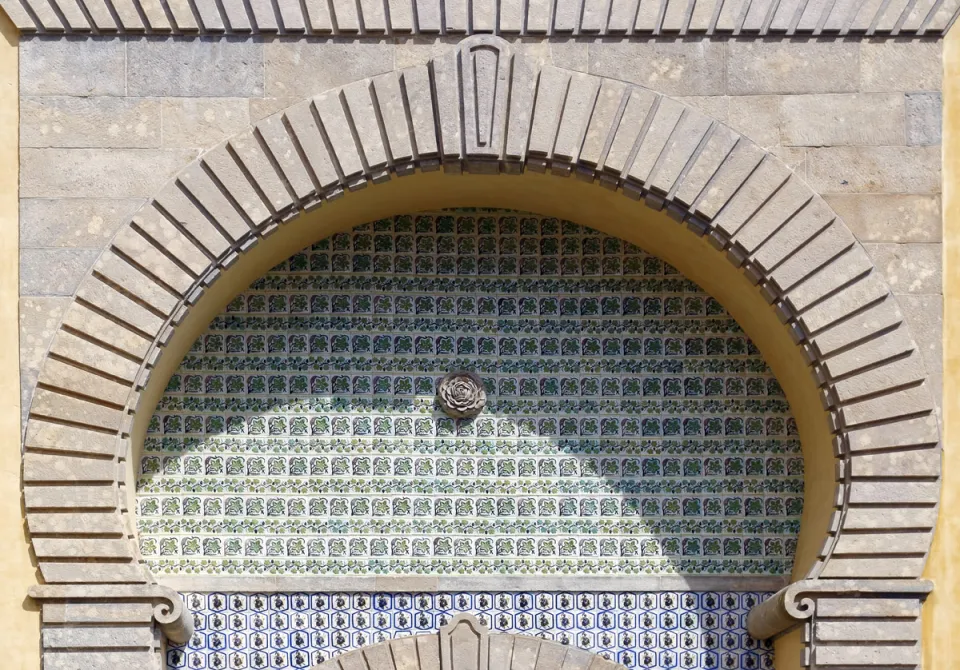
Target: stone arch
x=481 y=110
x=465 y=643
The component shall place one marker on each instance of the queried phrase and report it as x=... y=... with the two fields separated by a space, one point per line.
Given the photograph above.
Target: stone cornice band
x=749 y=205
x=589 y=18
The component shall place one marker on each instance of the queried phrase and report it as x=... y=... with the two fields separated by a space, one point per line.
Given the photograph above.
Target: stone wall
x=105 y=122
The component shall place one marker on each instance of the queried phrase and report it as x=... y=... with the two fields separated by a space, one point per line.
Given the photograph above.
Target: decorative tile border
x=639 y=630
x=631 y=427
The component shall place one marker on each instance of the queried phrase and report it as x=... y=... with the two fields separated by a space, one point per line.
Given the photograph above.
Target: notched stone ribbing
x=510 y=17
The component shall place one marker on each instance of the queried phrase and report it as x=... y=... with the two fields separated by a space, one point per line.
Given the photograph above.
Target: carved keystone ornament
x=461 y=394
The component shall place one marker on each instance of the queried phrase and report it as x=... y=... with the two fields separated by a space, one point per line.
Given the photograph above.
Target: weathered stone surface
x=674 y=68
x=861 y=329
x=880 y=518
x=914 y=463
x=146 y=255
x=894 y=492
x=638 y=106
x=339 y=62
x=842 y=119
x=759 y=187
x=714 y=106
x=49 y=436
x=96 y=573
x=905 y=433
x=890 y=218
x=828 y=655
x=88 y=354
x=194 y=68
x=729 y=177
x=867 y=631
x=198 y=184
x=757 y=117
x=906 y=542
x=651 y=146
x=151 y=224
x=103 y=121
x=60 y=375
x=54 y=271
x=909 y=268
x=74 y=523
x=872 y=568
x=771 y=216
x=897 y=405
x=71 y=497
x=55 y=405
x=72 y=222
x=924 y=314
x=681 y=148
x=838 y=272
x=419 y=50
x=117 y=304
x=86 y=612
x=904 y=608
x=755 y=67
x=405 y=653
x=67 y=547
x=261 y=108
x=72 y=67
x=110 y=637
x=914 y=170
x=56 y=468
x=894 y=343
x=203 y=122
x=900 y=65
x=84 y=320
x=924 y=118
x=98 y=173
x=716 y=150
x=39 y=321
x=795 y=158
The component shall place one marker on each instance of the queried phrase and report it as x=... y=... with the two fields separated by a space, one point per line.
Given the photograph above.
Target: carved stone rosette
x=461 y=395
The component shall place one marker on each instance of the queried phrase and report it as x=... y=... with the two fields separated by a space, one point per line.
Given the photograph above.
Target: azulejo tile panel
x=630 y=428
x=704 y=630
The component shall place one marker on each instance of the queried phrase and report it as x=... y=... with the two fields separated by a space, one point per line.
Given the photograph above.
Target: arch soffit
x=483 y=110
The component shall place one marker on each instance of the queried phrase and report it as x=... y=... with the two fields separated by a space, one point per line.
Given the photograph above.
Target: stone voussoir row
x=453 y=115
x=506 y=17
x=465 y=643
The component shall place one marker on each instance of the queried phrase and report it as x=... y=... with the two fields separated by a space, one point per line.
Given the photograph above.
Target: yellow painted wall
x=941 y=614
x=19 y=617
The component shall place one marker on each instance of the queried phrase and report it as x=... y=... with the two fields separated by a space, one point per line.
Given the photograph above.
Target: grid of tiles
x=631 y=427
x=705 y=631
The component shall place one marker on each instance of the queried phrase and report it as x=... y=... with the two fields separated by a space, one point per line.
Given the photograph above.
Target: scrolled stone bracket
x=167 y=608
x=847 y=619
